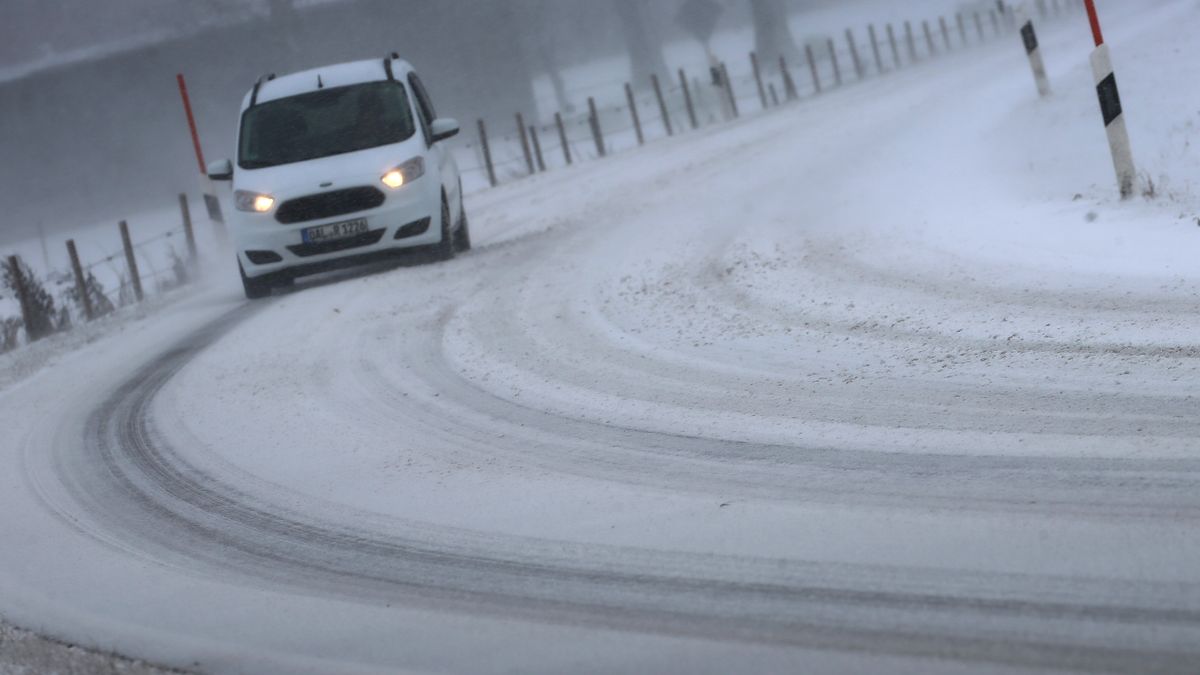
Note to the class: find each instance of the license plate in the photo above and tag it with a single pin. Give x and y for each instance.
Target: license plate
(336, 231)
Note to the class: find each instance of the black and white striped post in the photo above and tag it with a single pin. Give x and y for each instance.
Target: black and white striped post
(1034, 51)
(1110, 107)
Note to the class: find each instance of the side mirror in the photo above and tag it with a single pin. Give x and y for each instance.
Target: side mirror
(443, 128)
(222, 170)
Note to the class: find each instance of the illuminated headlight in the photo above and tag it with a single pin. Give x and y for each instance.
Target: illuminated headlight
(253, 201)
(404, 174)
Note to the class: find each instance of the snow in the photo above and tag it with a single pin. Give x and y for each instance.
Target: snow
(902, 338)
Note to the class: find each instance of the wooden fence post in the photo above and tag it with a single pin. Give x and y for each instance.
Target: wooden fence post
(774, 95)
(189, 234)
(633, 113)
(687, 99)
(895, 48)
(487, 154)
(729, 89)
(524, 135)
(858, 64)
(597, 133)
(789, 85)
(758, 81)
(945, 32)
(131, 261)
(537, 148)
(875, 49)
(80, 281)
(812, 66)
(995, 22)
(910, 41)
(979, 27)
(962, 28)
(562, 137)
(662, 105)
(837, 71)
(929, 39)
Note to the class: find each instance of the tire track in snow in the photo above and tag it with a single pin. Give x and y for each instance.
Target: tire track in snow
(151, 496)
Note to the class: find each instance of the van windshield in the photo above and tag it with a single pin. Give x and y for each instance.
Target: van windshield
(323, 123)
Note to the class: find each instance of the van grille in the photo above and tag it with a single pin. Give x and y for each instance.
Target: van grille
(329, 205)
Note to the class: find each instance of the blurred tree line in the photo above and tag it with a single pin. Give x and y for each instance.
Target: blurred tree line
(479, 57)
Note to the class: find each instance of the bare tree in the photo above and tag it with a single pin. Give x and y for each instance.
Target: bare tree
(645, 52)
(772, 36)
(284, 24)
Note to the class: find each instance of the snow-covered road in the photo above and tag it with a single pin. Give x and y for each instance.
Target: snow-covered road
(859, 385)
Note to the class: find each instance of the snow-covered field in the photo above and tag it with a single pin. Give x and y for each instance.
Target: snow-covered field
(885, 382)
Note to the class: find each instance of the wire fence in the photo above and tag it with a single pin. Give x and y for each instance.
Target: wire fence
(98, 282)
(691, 100)
(618, 118)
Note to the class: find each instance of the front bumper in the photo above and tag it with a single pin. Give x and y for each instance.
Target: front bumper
(264, 246)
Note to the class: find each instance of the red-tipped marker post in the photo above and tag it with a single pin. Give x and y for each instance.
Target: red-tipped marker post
(211, 203)
(1110, 107)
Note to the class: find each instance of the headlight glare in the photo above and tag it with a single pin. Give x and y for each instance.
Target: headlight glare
(254, 202)
(404, 174)
(393, 179)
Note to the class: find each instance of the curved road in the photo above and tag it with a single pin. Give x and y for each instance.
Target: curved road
(693, 429)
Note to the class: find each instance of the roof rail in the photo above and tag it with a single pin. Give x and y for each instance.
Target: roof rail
(387, 65)
(258, 85)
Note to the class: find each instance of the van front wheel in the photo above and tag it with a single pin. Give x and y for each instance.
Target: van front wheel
(445, 248)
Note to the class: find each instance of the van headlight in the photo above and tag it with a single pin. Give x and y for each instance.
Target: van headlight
(254, 202)
(404, 174)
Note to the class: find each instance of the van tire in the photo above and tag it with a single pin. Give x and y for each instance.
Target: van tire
(445, 249)
(462, 236)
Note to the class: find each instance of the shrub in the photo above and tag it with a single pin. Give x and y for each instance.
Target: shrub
(37, 306)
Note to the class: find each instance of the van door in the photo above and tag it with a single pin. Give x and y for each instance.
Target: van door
(439, 152)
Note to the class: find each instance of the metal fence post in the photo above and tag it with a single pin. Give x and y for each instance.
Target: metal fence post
(875, 49)
(858, 64)
(895, 48)
(131, 261)
(562, 137)
(687, 99)
(662, 105)
(789, 84)
(80, 281)
(597, 133)
(524, 135)
(190, 235)
(633, 113)
(537, 148)
(812, 66)
(758, 81)
(487, 154)
(837, 71)
(729, 89)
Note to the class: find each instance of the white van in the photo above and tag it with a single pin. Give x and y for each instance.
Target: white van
(338, 166)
